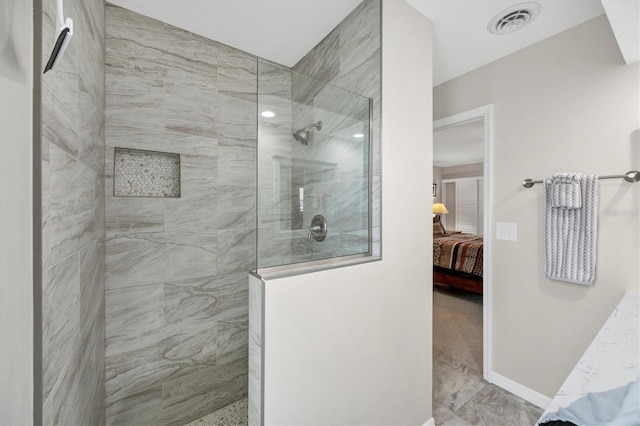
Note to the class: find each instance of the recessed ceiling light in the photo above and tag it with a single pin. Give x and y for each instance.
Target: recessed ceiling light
(358, 135)
(268, 114)
(514, 18)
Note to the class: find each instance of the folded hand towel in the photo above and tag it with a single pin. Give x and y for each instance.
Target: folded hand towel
(565, 191)
(570, 232)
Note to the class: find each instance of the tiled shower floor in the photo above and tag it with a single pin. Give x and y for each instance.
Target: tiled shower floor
(231, 415)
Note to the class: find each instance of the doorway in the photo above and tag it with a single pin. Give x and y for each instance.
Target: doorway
(481, 117)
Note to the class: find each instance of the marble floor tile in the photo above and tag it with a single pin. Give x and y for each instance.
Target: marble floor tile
(494, 406)
(460, 395)
(446, 417)
(453, 387)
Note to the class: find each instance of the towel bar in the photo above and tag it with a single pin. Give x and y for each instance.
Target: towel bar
(632, 176)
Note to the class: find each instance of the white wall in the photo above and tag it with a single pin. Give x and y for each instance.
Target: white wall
(16, 278)
(568, 103)
(353, 345)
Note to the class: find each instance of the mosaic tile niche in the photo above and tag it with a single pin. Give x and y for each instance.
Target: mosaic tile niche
(139, 173)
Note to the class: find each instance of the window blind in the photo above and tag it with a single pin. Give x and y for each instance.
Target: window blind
(468, 206)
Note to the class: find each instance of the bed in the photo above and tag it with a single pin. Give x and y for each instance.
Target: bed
(457, 259)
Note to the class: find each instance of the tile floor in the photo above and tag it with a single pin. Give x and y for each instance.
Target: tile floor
(460, 395)
(231, 415)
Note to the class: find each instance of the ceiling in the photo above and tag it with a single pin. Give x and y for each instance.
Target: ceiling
(459, 145)
(461, 40)
(285, 30)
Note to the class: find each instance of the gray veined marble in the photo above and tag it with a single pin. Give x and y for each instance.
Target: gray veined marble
(256, 345)
(176, 295)
(179, 265)
(126, 215)
(237, 74)
(135, 318)
(72, 208)
(146, 258)
(204, 391)
(60, 332)
(129, 92)
(73, 220)
(188, 110)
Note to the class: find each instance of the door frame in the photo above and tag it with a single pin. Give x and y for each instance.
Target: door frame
(484, 113)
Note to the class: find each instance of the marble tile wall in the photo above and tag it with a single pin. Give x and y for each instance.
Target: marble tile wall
(256, 344)
(349, 58)
(73, 218)
(177, 268)
(332, 169)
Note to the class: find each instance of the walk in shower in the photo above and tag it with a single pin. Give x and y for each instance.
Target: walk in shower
(313, 161)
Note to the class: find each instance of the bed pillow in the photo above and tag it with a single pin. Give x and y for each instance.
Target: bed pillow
(438, 229)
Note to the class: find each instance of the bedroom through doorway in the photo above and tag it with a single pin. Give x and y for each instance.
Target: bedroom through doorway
(462, 287)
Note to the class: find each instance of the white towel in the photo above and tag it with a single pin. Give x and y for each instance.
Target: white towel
(570, 231)
(566, 191)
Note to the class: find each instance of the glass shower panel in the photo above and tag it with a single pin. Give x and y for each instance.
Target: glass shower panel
(313, 169)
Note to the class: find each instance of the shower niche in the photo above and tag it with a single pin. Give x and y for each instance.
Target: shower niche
(314, 160)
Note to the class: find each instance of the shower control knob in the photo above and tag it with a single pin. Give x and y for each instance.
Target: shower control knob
(318, 228)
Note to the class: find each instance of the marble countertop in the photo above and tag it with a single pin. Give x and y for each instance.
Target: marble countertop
(610, 361)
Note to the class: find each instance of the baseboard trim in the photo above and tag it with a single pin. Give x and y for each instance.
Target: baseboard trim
(536, 398)
(430, 422)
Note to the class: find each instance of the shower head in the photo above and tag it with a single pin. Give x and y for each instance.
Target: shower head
(302, 135)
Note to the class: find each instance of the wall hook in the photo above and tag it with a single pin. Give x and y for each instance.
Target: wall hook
(65, 33)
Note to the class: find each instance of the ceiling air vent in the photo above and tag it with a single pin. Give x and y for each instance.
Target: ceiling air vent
(514, 18)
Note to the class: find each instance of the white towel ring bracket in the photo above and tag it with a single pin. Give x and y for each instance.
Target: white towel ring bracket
(632, 176)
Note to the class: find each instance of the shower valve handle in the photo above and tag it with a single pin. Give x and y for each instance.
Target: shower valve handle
(313, 230)
(318, 228)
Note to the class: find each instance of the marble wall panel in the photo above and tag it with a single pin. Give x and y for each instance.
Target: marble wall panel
(176, 299)
(91, 283)
(73, 219)
(146, 258)
(72, 203)
(135, 318)
(128, 91)
(256, 344)
(354, 48)
(237, 72)
(143, 408)
(203, 391)
(234, 126)
(322, 64)
(60, 293)
(188, 109)
(91, 398)
(125, 215)
(60, 103)
(134, 385)
(172, 43)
